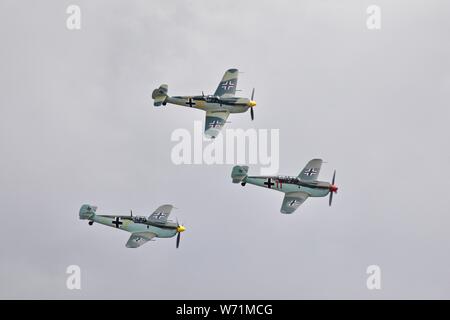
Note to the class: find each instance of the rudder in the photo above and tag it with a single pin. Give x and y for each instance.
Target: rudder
(160, 95)
(239, 173)
(87, 211)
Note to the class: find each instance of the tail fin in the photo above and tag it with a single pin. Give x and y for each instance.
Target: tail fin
(160, 95)
(87, 211)
(239, 173)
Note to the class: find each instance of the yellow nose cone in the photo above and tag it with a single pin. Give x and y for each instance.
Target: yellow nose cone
(181, 229)
(251, 103)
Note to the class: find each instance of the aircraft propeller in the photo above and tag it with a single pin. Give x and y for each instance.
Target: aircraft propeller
(252, 103)
(333, 188)
(180, 229)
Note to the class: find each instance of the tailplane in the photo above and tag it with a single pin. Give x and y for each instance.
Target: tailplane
(87, 212)
(160, 95)
(239, 174)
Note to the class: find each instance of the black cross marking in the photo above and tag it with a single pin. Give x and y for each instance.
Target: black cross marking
(190, 103)
(215, 123)
(159, 215)
(117, 222)
(269, 183)
(311, 172)
(227, 85)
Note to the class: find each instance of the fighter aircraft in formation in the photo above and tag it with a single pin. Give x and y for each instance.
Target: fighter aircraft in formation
(296, 189)
(217, 106)
(142, 229)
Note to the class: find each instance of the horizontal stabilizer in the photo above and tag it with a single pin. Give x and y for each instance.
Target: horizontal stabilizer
(87, 211)
(160, 95)
(239, 173)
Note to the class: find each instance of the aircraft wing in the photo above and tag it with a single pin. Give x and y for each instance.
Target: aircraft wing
(311, 171)
(292, 201)
(227, 87)
(214, 122)
(137, 239)
(161, 214)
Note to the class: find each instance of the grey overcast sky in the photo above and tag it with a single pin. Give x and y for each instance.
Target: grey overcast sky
(77, 125)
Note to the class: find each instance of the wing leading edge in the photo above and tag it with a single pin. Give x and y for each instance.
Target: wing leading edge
(137, 239)
(311, 171)
(227, 87)
(292, 201)
(214, 122)
(161, 214)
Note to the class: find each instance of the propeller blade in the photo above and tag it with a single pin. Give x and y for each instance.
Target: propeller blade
(178, 239)
(253, 93)
(333, 188)
(252, 115)
(131, 211)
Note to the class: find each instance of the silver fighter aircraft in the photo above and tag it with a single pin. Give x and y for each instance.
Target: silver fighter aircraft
(296, 189)
(142, 229)
(217, 106)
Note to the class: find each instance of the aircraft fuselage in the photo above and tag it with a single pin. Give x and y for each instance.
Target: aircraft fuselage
(290, 184)
(129, 224)
(210, 103)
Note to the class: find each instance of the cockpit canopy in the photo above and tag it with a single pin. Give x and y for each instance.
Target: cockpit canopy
(211, 98)
(140, 219)
(287, 179)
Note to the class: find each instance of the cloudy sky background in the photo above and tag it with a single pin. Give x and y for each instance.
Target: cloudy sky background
(77, 126)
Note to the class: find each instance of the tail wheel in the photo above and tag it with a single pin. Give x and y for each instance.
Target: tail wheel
(243, 184)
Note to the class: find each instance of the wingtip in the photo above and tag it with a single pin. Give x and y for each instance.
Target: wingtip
(212, 134)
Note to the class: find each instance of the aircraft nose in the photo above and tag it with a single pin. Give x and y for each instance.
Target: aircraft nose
(333, 188)
(251, 103)
(181, 229)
